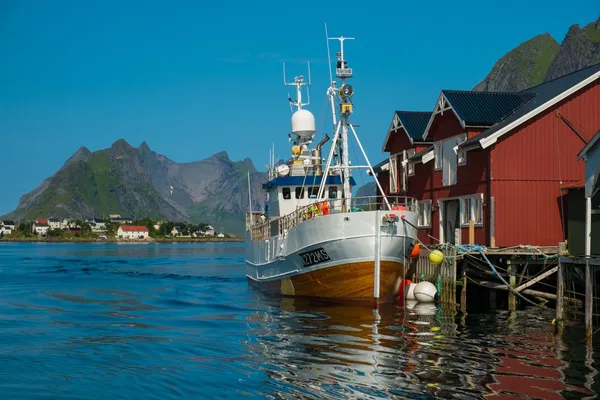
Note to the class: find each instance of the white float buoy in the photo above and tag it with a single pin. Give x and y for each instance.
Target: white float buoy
(425, 292)
(410, 291)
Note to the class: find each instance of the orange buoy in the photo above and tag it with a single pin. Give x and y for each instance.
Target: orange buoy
(415, 251)
(399, 208)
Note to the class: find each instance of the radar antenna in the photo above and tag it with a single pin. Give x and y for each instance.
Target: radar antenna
(344, 93)
(298, 83)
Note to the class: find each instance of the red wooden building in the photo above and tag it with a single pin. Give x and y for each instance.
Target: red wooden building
(498, 159)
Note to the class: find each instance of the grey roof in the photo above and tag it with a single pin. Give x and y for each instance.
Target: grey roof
(377, 167)
(484, 108)
(541, 94)
(414, 122)
(417, 157)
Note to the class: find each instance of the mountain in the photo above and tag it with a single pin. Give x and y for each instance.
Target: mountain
(541, 59)
(138, 182)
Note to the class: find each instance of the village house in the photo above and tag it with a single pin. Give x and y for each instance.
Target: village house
(116, 218)
(209, 231)
(8, 224)
(54, 223)
(97, 225)
(496, 159)
(39, 227)
(132, 232)
(6, 227)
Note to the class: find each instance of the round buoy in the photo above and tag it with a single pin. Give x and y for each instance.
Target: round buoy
(410, 291)
(436, 257)
(425, 292)
(415, 251)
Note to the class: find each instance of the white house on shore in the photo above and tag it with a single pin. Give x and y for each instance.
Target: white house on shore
(40, 228)
(54, 223)
(209, 231)
(132, 232)
(6, 227)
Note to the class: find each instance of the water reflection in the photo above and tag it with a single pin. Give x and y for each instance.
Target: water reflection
(414, 352)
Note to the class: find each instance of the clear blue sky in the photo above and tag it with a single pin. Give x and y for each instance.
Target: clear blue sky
(195, 78)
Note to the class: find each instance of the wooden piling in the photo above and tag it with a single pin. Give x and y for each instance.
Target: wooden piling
(512, 280)
(560, 304)
(463, 294)
(471, 232)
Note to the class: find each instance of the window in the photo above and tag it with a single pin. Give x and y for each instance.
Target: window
(333, 192)
(424, 219)
(437, 155)
(471, 208)
(447, 159)
(313, 191)
(462, 155)
(410, 166)
(286, 193)
(299, 192)
(394, 174)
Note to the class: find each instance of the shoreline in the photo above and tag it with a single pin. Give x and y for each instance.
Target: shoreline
(119, 241)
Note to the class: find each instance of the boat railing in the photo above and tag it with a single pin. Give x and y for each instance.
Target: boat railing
(280, 225)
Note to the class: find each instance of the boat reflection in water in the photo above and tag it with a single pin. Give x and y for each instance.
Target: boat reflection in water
(417, 351)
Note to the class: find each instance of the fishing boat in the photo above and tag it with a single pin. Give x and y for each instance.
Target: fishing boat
(314, 238)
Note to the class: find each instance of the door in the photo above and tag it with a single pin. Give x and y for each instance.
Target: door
(451, 220)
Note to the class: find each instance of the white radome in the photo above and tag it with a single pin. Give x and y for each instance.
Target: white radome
(425, 292)
(283, 170)
(303, 123)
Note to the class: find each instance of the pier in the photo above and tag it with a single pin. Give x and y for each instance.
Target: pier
(545, 277)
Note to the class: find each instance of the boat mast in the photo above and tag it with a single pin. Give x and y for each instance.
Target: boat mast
(345, 93)
(298, 83)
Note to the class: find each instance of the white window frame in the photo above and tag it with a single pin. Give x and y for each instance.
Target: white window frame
(462, 155)
(464, 219)
(393, 172)
(410, 167)
(424, 221)
(437, 155)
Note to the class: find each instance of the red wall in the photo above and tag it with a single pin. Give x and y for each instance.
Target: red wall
(525, 170)
(398, 141)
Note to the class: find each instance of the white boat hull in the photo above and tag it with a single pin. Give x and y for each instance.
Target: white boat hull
(347, 256)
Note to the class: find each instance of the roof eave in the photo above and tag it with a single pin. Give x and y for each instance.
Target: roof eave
(442, 104)
(493, 138)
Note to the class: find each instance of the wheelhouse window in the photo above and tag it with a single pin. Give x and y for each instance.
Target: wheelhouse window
(424, 218)
(333, 192)
(299, 192)
(313, 191)
(286, 193)
(471, 208)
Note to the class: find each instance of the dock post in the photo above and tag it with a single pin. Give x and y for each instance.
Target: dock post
(512, 280)
(560, 302)
(588, 300)
(463, 293)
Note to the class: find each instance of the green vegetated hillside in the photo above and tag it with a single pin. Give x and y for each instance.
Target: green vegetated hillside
(138, 182)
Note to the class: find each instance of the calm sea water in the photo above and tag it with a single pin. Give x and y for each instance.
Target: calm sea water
(102, 321)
